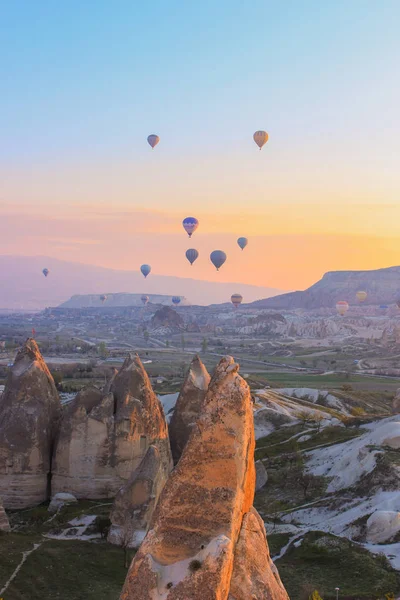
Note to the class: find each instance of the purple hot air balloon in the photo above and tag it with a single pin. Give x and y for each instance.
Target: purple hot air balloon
(176, 300)
(218, 257)
(190, 224)
(45, 272)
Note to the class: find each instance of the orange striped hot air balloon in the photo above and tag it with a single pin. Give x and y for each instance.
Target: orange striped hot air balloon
(260, 138)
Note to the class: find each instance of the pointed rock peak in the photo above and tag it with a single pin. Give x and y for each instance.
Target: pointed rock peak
(132, 362)
(198, 374)
(225, 374)
(29, 349)
(28, 356)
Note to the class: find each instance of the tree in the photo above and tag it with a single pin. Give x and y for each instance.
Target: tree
(146, 335)
(204, 345)
(167, 344)
(103, 350)
(304, 417)
(183, 342)
(315, 596)
(316, 419)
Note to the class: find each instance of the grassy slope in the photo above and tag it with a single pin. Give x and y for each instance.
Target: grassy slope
(60, 569)
(67, 569)
(323, 562)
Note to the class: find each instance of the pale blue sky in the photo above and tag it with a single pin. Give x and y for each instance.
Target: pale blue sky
(93, 78)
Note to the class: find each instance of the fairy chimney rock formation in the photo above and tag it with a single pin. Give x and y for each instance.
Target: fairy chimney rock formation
(4, 523)
(104, 437)
(196, 544)
(188, 406)
(135, 502)
(30, 411)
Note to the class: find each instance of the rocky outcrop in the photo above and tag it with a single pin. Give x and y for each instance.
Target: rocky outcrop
(135, 502)
(188, 406)
(30, 410)
(4, 523)
(104, 437)
(166, 317)
(196, 547)
(254, 574)
(60, 500)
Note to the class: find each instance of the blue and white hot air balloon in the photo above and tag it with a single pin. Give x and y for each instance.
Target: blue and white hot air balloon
(176, 300)
(190, 224)
(218, 257)
(145, 269)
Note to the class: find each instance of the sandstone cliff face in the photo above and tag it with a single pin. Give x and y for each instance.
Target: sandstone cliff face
(192, 548)
(29, 417)
(104, 437)
(188, 406)
(4, 523)
(254, 574)
(135, 502)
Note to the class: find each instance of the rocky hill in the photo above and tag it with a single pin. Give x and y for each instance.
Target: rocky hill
(166, 320)
(382, 286)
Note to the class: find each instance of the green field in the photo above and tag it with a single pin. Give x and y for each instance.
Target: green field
(332, 381)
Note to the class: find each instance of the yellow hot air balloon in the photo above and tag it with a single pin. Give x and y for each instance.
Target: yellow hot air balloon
(260, 138)
(361, 296)
(342, 307)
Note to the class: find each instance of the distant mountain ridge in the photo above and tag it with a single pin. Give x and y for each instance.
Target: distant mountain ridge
(24, 287)
(382, 286)
(119, 299)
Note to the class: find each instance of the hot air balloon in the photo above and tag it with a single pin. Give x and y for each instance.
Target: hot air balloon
(236, 300)
(176, 300)
(361, 296)
(145, 299)
(153, 140)
(45, 272)
(145, 269)
(190, 224)
(103, 298)
(342, 307)
(218, 258)
(260, 138)
(192, 255)
(242, 242)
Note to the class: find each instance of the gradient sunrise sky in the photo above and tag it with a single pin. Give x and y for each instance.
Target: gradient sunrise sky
(84, 83)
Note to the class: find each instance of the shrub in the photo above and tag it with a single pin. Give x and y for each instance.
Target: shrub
(195, 565)
(357, 411)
